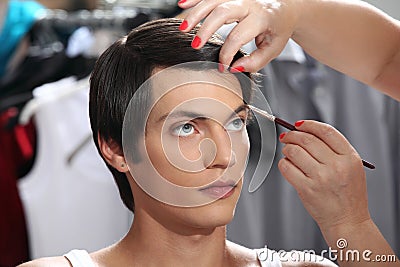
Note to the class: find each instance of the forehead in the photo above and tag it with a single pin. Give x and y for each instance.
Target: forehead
(194, 90)
(204, 91)
(181, 84)
(165, 80)
(210, 100)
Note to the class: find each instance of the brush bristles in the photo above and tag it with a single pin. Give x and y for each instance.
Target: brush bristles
(263, 113)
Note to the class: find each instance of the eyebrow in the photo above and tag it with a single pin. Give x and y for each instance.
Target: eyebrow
(192, 115)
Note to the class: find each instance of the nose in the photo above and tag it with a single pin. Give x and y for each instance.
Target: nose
(222, 155)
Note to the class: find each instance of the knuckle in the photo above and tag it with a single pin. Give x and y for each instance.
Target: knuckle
(235, 37)
(206, 3)
(285, 150)
(306, 140)
(328, 130)
(293, 150)
(341, 168)
(253, 63)
(222, 10)
(283, 165)
(308, 171)
(337, 166)
(315, 186)
(320, 174)
(225, 58)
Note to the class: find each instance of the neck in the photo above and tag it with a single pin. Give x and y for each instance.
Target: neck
(149, 243)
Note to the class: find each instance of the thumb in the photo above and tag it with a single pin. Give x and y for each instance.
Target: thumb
(260, 57)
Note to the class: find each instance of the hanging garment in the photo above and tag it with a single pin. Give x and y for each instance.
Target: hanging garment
(16, 154)
(297, 89)
(18, 20)
(392, 122)
(75, 204)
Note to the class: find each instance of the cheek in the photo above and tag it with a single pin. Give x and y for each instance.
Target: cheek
(154, 148)
(182, 152)
(241, 144)
(172, 156)
(241, 148)
(189, 147)
(246, 141)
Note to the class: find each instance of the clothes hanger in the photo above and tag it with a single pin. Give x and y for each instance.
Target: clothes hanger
(32, 106)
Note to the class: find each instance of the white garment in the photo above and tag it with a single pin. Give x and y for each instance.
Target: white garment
(69, 205)
(81, 258)
(268, 257)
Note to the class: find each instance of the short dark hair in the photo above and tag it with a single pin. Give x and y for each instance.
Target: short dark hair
(128, 63)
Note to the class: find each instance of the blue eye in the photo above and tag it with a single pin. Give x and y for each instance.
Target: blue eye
(235, 125)
(184, 130)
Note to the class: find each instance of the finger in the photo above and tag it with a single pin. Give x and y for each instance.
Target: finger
(328, 134)
(223, 14)
(300, 158)
(312, 144)
(199, 12)
(188, 3)
(293, 175)
(241, 34)
(260, 57)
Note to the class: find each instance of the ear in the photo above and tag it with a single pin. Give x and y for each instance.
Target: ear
(112, 153)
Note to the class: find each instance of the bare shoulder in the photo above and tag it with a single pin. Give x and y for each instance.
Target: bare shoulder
(302, 259)
(242, 256)
(47, 262)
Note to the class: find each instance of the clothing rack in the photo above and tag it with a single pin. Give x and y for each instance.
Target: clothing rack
(48, 39)
(159, 5)
(118, 18)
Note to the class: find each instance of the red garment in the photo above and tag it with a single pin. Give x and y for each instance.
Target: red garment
(16, 153)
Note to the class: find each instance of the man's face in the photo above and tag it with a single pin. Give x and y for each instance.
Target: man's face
(195, 138)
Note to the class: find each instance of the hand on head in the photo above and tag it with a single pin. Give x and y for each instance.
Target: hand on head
(270, 23)
(324, 29)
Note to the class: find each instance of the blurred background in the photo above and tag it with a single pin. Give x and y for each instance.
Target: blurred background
(389, 6)
(56, 194)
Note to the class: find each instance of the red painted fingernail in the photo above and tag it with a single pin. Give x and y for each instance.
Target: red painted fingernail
(237, 69)
(282, 135)
(221, 67)
(196, 42)
(298, 123)
(181, 2)
(183, 25)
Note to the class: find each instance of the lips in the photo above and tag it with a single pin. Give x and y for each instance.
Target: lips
(219, 190)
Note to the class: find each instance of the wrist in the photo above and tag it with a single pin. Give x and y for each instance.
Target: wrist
(334, 232)
(302, 12)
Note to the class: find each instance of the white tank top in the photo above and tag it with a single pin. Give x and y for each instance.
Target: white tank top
(69, 205)
(81, 258)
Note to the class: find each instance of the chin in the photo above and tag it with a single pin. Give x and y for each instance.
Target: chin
(194, 220)
(215, 214)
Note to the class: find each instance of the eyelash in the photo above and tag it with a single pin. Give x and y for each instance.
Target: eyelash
(178, 129)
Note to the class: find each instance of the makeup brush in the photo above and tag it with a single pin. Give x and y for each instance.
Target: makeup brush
(291, 127)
